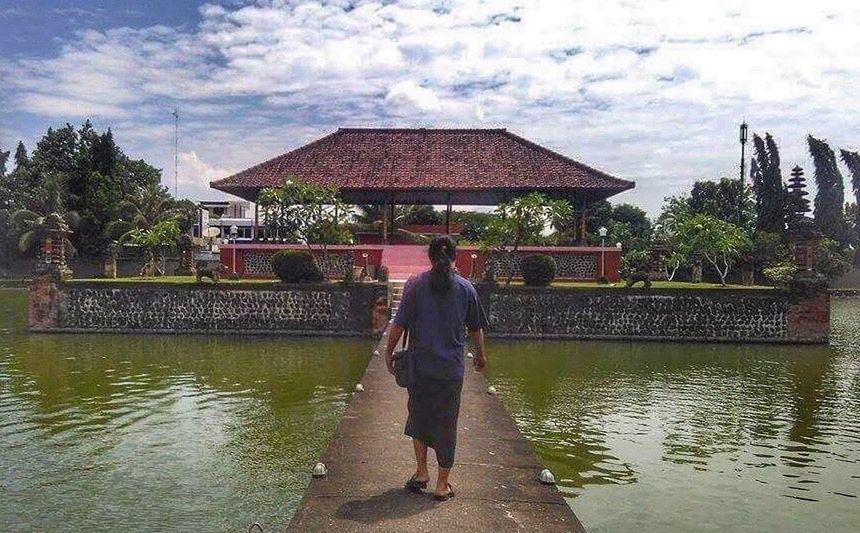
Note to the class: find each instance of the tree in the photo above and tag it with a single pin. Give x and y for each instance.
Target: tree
(404, 215)
(5, 189)
(473, 223)
(22, 160)
(717, 241)
(142, 210)
(98, 177)
(628, 225)
(519, 220)
(4, 157)
(832, 259)
(767, 186)
(728, 200)
(667, 233)
(852, 161)
(625, 223)
(134, 174)
(21, 189)
(31, 225)
(830, 197)
(155, 240)
(313, 214)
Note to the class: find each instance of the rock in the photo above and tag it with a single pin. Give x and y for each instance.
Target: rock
(546, 477)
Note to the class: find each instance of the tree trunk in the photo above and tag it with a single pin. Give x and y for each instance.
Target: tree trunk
(696, 273)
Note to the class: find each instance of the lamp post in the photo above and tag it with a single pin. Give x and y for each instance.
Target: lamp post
(472, 266)
(743, 138)
(233, 231)
(366, 269)
(602, 231)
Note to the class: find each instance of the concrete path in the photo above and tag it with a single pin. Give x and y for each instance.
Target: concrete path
(369, 459)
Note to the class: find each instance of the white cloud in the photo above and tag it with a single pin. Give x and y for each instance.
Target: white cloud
(408, 97)
(195, 175)
(649, 91)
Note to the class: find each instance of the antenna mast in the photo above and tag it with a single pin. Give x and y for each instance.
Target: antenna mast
(175, 152)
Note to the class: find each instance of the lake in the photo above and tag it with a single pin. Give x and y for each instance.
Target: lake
(159, 432)
(693, 437)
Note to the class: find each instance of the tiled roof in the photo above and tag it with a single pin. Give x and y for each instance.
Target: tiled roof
(426, 159)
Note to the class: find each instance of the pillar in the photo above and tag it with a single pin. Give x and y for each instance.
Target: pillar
(448, 216)
(385, 228)
(256, 221)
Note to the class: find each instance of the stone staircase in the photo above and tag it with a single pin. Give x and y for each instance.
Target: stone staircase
(404, 260)
(396, 296)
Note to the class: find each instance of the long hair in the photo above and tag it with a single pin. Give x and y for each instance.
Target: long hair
(442, 252)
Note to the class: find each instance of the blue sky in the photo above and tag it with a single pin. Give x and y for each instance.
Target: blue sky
(651, 91)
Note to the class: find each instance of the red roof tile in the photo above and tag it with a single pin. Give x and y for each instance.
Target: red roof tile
(450, 160)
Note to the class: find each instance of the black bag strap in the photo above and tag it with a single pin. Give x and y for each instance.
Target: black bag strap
(410, 333)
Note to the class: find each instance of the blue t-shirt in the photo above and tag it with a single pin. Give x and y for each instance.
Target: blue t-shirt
(438, 322)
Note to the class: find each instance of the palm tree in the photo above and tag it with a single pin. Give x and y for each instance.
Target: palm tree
(143, 209)
(153, 240)
(52, 217)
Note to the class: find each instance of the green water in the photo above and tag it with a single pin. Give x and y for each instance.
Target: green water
(195, 433)
(691, 437)
(162, 433)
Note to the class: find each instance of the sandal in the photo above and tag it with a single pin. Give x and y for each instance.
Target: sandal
(414, 485)
(445, 497)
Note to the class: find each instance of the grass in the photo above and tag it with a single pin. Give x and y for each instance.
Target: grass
(191, 280)
(654, 285)
(179, 280)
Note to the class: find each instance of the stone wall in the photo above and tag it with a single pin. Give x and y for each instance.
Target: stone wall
(567, 266)
(259, 263)
(669, 314)
(317, 309)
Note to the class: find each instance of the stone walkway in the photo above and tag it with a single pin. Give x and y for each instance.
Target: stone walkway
(369, 459)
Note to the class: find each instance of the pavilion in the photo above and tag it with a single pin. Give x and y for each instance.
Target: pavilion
(430, 166)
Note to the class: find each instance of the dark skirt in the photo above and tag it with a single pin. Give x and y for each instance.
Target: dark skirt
(434, 406)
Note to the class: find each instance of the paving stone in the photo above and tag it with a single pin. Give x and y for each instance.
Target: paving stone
(368, 460)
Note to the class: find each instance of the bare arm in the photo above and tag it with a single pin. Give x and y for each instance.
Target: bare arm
(394, 334)
(480, 360)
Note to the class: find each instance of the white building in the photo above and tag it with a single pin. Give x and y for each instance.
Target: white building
(225, 215)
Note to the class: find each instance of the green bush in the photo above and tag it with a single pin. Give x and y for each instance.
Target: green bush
(296, 266)
(781, 275)
(538, 270)
(635, 261)
(807, 283)
(832, 259)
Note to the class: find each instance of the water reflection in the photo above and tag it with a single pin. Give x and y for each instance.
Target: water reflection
(695, 437)
(150, 433)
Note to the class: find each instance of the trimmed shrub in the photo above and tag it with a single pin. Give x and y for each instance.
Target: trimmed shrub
(296, 266)
(538, 270)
